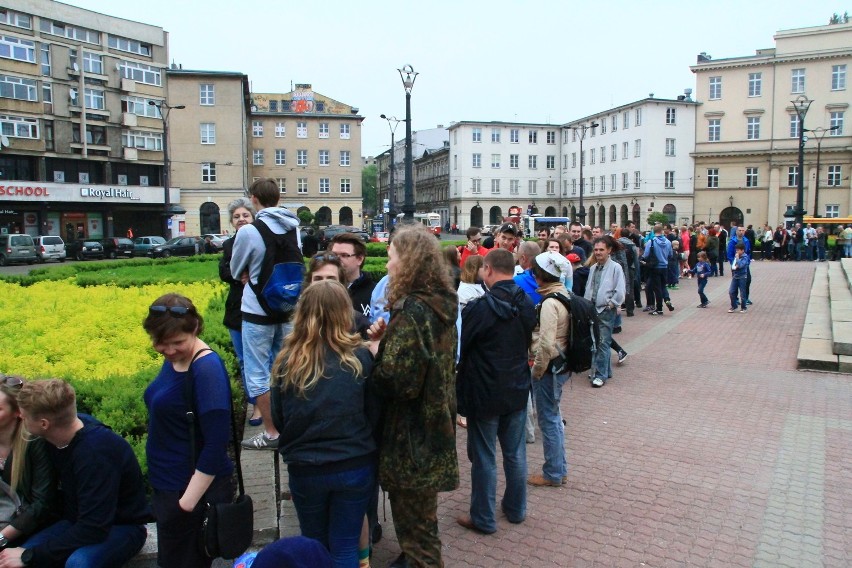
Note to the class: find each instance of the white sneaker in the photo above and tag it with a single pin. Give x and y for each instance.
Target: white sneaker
(260, 442)
(597, 382)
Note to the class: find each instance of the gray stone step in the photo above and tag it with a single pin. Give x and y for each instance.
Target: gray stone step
(840, 297)
(816, 346)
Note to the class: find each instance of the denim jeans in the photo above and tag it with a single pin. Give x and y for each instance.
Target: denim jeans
(603, 361)
(331, 509)
(847, 250)
(237, 342)
(738, 287)
(482, 436)
(548, 393)
(702, 283)
(121, 544)
(261, 344)
(820, 251)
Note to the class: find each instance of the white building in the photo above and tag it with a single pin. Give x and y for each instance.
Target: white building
(635, 159)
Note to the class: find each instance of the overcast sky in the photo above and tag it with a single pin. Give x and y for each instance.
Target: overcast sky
(531, 61)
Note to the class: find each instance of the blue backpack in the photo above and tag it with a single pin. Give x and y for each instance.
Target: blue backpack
(281, 275)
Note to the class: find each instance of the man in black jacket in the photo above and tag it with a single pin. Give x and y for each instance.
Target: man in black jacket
(353, 252)
(492, 386)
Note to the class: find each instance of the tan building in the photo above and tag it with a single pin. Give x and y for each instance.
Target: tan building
(432, 182)
(208, 145)
(747, 137)
(311, 144)
(82, 147)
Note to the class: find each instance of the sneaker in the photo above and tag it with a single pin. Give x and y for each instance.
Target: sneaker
(597, 382)
(616, 329)
(702, 305)
(748, 302)
(732, 310)
(669, 305)
(622, 356)
(655, 313)
(260, 442)
(648, 309)
(744, 310)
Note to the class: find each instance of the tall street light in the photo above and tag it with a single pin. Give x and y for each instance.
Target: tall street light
(583, 128)
(801, 105)
(168, 209)
(408, 76)
(820, 132)
(393, 122)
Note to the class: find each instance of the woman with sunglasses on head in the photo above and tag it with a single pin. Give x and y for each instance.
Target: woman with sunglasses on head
(28, 492)
(183, 482)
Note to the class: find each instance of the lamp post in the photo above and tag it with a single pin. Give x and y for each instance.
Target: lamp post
(393, 122)
(583, 128)
(801, 105)
(164, 108)
(408, 75)
(820, 132)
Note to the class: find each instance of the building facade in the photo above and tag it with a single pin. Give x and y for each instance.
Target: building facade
(311, 144)
(208, 146)
(747, 128)
(630, 160)
(82, 147)
(432, 182)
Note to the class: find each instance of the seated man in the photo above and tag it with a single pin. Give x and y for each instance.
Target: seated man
(104, 504)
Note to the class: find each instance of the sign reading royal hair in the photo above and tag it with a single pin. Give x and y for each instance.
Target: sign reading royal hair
(75, 193)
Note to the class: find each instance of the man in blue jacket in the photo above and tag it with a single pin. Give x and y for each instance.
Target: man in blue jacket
(492, 387)
(658, 249)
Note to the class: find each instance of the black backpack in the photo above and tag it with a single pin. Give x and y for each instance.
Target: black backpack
(281, 274)
(583, 334)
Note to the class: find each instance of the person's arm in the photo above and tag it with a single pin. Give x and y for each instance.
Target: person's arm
(546, 347)
(402, 360)
(617, 293)
(225, 274)
(241, 253)
(41, 502)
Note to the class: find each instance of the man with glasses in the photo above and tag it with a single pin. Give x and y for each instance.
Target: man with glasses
(474, 245)
(353, 252)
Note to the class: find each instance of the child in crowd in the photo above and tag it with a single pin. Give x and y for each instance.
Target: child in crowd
(673, 273)
(702, 270)
(739, 273)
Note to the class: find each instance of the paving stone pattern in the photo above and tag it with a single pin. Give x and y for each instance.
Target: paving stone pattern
(707, 448)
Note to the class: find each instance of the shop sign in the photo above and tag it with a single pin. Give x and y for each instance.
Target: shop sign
(75, 193)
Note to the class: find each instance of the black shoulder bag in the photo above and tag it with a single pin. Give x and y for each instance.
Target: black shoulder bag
(227, 528)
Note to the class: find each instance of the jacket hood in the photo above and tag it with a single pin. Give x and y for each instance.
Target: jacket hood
(444, 303)
(278, 219)
(504, 299)
(661, 238)
(553, 288)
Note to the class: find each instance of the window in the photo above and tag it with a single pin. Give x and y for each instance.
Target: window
(94, 99)
(16, 19)
(476, 186)
(323, 130)
(129, 45)
(751, 177)
(18, 88)
(476, 135)
(324, 185)
(206, 94)
(637, 180)
(670, 146)
(794, 126)
(838, 77)
(671, 115)
(715, 88)
(591, 184)
(273, 105)
(280, 157)
(257, 157)
(625, 150)
(208, 133)
(18, 127)
(324, 158)
(47, 92)
(302, 185)
(455, 161)
(320, 106)
(139, 106)
(532, 186)
(495, 187)
(551, 162)
(92, 62)
(533, 162)
(476, 160)
(514, 187)
(280, 130)
(301, 157)
(345, 158)
(637, 148)
(344, 131)
(755, 81)
(573, 159)
(345, 185)
(45, 60)
(797, 81)
(625, 123)
(573, 187)
(551, 187)
(551, 137)
(282, 185)
(638, 117)
(603, 126)
(141, 73)
(792, 176)
(301, 130)
(613, 180)
(495, 135)
(669, 180)
(495, 160)
(712, 178)
(753, 128)
(514, 135)
(614, 122)
(18, 49)
(533, 137)
(142, 140)
(592, 156)
(714, 129)
(625, 182)
(603, 184)
(71, 32)
(834, 176)
(832, 211)
(257, 128)
(208, 172)
(836, 122)
(613, 152)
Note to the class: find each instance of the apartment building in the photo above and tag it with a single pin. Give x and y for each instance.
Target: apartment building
(82, 143)
(311, 144)
(498, 165)
(432, 182)
(631, 160)
(208, 145)
(747, 128)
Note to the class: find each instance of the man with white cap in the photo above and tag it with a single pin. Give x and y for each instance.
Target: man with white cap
(550, 269)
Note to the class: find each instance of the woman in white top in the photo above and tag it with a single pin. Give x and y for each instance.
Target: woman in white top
(469, 288)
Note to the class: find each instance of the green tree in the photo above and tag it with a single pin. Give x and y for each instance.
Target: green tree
(305, 216)
(369, 199)
(656, 217)
(838, 19)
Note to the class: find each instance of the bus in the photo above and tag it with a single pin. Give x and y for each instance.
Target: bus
(534, 223)
(430, 220)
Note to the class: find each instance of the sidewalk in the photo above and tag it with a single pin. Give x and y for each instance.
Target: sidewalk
(707, 448)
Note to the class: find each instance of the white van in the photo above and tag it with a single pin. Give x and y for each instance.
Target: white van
(49, 248)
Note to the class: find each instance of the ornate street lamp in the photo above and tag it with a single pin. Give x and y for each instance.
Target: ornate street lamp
(820, 132)
(168, 209)
(408, 76)
(583, 127)
(801, 106)
(393, 122)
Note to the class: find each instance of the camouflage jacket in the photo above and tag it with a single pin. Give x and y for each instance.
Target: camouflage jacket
(414, 374)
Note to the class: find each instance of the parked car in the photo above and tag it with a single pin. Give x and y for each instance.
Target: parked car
(380, 237)
(487, 231)
(178, 246)
(329, 232)
(49, 248)
(118, 247)
(217, 240)
(85, 249)
(17, 248)
(141, 245)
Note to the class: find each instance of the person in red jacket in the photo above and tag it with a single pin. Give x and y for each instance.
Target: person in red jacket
(474, 244)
